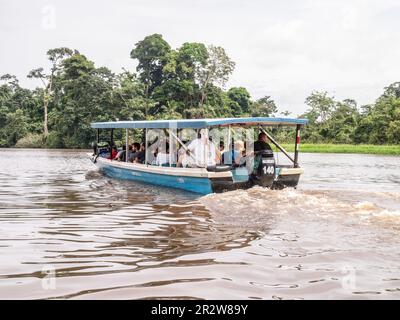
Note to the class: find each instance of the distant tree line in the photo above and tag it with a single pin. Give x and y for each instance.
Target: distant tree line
(187, 82)
(344, 122)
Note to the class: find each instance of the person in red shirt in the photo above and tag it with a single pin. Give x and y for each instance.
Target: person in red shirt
(114, 152)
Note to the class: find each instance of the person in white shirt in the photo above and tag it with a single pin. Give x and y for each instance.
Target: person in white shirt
(185, 159)
(161, 155)
(203, 150)
(162, 158)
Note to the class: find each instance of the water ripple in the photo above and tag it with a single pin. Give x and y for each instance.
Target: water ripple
(62, 220)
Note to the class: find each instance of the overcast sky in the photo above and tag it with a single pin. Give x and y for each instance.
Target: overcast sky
(286, 49)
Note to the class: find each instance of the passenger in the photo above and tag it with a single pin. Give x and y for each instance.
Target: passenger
(262, 143)
(141, 155)
(184, 158)
(130, 151)
(161, 156)
(220, 153)
(204, 150)
(121, 154)
(114, 153)
(234, 156)
(181, 155)
(135, 150)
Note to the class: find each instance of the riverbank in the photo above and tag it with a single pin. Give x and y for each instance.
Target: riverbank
(313, 148)
(346, 148)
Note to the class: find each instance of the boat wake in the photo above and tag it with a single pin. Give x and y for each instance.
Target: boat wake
(258, 206)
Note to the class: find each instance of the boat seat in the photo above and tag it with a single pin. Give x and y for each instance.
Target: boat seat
(219, 168)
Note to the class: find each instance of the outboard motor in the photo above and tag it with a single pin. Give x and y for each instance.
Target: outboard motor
(264, 168)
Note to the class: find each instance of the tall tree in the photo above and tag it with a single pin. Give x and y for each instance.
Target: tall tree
(129, 96)
(151, 52)
(320, 106)
(264, 107)
(380, 122)
(215, 71)
(240, 100)
(55, 57)
(86, 95)
(341, 125)
(179, 89)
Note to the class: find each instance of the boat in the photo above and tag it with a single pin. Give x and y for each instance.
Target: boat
(261, 167)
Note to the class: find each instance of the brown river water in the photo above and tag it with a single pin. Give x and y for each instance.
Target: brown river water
(67, 231)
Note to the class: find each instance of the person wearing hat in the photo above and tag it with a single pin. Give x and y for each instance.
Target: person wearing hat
(234, 156)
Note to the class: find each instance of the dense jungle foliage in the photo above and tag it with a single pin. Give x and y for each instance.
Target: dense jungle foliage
(187, 82)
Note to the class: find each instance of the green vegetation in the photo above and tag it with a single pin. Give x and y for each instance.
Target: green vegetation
(346, 148)
(185, 82)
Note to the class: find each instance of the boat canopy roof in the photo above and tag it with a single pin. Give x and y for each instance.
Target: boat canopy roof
(199, 123)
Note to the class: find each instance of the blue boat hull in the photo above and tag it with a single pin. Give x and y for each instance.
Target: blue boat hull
(201, 182)
(193, 184)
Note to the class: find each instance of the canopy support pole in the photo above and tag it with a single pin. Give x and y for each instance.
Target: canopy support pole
(229, 146)
(171, 150)
(182, 144)
(98, 135)
(111, 142)
(126, 144)
(145, 146)
(296, 147)
(277, 145)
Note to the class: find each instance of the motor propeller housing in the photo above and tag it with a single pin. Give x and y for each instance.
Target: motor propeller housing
(265, 170)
